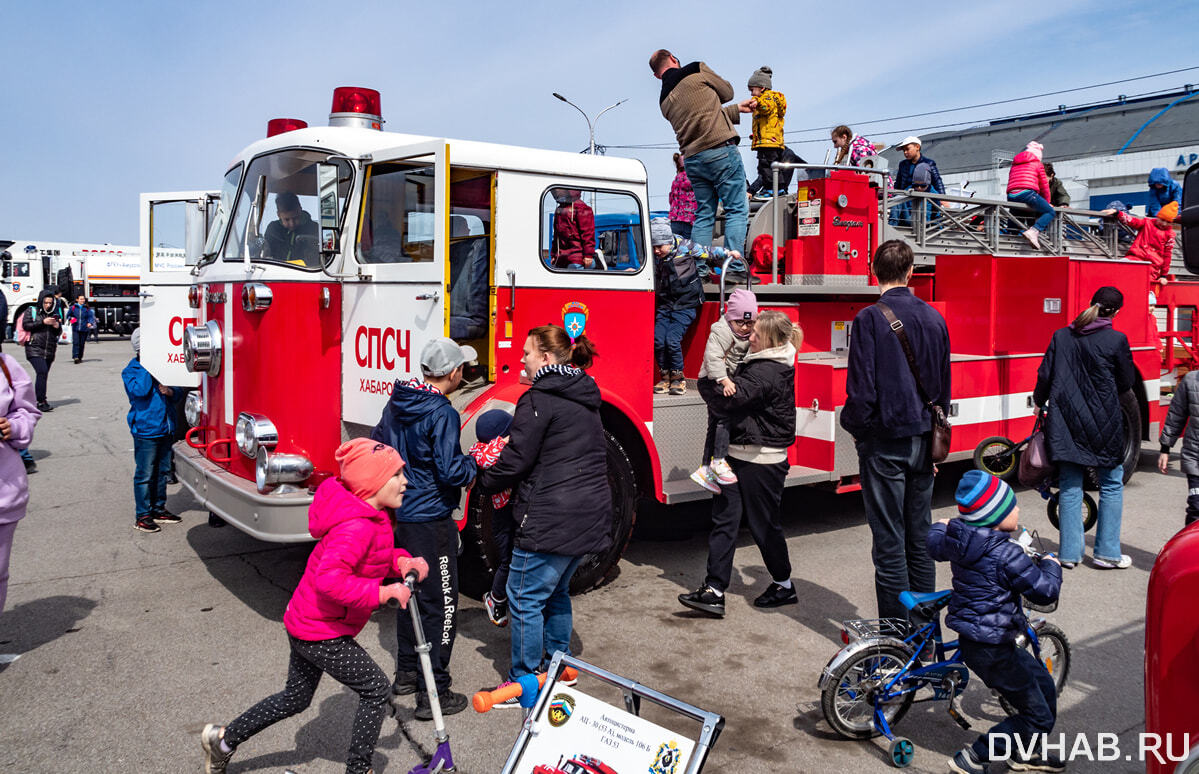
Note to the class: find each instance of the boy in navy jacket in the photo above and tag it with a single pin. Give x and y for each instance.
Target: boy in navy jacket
(152, 422)
(991, 572)
(424, 427)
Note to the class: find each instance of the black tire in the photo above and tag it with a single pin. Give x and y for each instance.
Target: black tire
(1090, 512)
(996, 455)
(1055, 655)
(597, 569)
(854, 719)
(480, 558)
(1131, 410)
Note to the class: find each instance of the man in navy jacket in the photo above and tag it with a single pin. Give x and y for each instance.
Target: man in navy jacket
(424, 427)
(892, 426)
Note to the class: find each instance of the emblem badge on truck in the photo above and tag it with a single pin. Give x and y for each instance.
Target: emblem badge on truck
(574, 319)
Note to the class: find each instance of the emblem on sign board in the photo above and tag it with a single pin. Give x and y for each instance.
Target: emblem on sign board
(562, 707)
(667, 759)
(574, 319)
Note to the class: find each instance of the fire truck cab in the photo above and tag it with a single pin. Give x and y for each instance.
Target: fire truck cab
(336, 252)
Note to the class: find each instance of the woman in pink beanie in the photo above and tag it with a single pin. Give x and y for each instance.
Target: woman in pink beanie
(1028, 184)
(341, 586)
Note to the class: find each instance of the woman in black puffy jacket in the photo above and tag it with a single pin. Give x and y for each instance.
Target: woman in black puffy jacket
(556, 461)
(1086, 369)
(761, 415)
(44, 328)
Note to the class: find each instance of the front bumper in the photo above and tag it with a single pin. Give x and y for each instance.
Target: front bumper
(277, 518)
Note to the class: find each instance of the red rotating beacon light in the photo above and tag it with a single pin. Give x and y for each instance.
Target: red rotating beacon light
(356, 106)
(280, 125)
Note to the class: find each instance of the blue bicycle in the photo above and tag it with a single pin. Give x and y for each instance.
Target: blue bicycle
(871, 683)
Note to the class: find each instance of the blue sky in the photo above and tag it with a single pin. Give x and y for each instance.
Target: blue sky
(107, 100)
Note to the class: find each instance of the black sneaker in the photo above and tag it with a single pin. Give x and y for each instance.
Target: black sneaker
(1037, 763)
(965, 762)
(406, 683)
(451, 704)
(30, 467)
(165, 517)
(146, 525)
(497, 609)
(776, 595)
(44, 407)
(706, 600)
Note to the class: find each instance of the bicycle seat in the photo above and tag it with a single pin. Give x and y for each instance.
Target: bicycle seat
(925, 604)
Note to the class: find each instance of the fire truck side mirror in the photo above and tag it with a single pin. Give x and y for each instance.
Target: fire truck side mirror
(1188, 215)
(326, 182)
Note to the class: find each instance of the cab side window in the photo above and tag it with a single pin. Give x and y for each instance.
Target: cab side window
(591, 230)
(397, 214)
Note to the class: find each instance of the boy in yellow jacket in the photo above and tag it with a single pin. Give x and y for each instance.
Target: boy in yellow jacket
(767, 137)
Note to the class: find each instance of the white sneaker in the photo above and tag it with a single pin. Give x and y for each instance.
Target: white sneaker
(1032, 236)
(723, 473)
(1123, 563)
(703, 476)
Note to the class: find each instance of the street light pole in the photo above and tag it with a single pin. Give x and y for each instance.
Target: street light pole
(590, 124)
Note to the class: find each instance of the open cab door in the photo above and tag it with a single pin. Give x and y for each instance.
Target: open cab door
(394, 296)
(174, 227)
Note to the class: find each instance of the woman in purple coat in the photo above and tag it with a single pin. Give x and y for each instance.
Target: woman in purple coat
(18, 415)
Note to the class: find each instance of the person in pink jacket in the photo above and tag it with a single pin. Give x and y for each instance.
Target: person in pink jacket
(1028, 184)
(341, 586)
(18, 415)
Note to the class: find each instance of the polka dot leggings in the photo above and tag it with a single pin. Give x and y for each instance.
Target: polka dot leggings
(344, 660)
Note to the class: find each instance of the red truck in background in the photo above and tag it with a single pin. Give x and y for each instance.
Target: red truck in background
(1171, 623)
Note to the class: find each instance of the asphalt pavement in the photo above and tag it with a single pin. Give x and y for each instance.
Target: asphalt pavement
(129, 642)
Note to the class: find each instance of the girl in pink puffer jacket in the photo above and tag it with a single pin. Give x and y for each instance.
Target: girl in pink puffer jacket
(342, 585)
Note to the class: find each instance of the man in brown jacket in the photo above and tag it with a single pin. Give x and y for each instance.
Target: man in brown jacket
(692, 100)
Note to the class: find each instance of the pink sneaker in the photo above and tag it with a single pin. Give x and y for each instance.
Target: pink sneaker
(723, 473)
(704, 477)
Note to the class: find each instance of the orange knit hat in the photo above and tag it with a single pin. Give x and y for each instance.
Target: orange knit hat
(366, 465)
(1169, 212)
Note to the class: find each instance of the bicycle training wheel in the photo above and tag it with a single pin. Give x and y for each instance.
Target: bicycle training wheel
(848, 701)
(1090, 512)
(996, 455)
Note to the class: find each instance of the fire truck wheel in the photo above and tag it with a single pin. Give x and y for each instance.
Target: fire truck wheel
(479, 557)
(597, 569)
(1132, 433)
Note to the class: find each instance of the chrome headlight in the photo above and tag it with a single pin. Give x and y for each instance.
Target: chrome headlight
(255, 297)
(273, 469)
(193, 407)
(202, 348)
(253, 432)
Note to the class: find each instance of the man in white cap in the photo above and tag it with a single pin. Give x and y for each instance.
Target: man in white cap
(423, 426)
(911, 157)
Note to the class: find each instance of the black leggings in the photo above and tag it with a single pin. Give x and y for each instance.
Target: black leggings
(41, 366)
(344, 660)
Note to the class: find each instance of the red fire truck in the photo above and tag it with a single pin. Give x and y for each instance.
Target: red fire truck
(294, 337)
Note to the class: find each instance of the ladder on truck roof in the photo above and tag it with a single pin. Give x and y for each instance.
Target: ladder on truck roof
(943, 224)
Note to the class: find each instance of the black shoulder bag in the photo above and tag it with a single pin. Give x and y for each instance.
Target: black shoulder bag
(942, 432)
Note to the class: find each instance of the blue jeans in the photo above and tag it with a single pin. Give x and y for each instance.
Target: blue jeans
(670, 326)
(1069, 511)
(1034, 200)
(153, 460)
(538, 607)
(718, 174)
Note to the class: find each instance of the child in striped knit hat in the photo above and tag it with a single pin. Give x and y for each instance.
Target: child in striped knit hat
(990, 574)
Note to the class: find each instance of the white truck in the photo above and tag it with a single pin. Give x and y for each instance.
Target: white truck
(108, 275)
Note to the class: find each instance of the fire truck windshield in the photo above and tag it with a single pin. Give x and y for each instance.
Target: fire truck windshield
(272, 217)
(216, 232)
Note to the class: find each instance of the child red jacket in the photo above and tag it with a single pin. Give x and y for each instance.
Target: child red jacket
(1154, 242)
(340, 586)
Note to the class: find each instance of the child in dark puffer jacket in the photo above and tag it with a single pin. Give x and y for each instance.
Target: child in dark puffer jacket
(991, 572)
(341, 586)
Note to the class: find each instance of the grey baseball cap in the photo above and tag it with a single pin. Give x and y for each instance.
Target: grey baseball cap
(441, 355)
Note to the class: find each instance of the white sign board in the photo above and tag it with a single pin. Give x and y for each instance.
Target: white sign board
(578, 734)
(807, 218)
